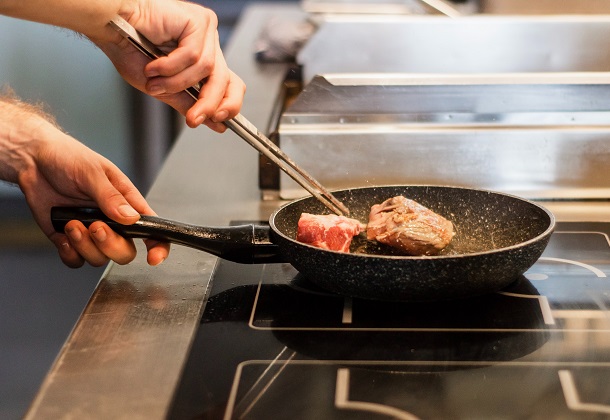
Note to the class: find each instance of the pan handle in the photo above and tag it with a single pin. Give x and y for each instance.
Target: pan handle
(246, 244)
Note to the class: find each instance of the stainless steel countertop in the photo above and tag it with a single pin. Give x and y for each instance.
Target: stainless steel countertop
(125, 356)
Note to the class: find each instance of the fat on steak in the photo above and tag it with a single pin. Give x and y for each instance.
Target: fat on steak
(328, 231)
(408, 226)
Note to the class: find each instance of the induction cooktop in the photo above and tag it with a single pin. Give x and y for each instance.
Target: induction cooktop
(271, 345)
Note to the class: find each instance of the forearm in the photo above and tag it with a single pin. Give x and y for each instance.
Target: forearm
(88, 17)
(20, 127)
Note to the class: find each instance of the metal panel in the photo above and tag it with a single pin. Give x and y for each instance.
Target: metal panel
(366, 6)
(537, 140)
(468, 45)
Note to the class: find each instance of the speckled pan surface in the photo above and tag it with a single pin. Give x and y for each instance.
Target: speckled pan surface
(498, 237)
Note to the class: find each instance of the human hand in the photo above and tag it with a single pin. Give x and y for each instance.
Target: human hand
(54, 169)
(188, 34)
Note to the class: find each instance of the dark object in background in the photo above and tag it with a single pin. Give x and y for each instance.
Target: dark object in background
(281, 40)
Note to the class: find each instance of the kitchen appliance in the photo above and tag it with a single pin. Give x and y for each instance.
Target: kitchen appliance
(537, 136)
(470, 102)
(273, 345)
(471, 45)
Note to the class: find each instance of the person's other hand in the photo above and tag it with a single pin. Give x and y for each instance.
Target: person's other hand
(54, 169)
(67, 173)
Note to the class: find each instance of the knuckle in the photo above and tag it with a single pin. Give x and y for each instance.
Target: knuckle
(124, 260)
(212, 18)
(191, 57)
(206, 67)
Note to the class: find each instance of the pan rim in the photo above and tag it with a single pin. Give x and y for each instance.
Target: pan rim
(550, 228)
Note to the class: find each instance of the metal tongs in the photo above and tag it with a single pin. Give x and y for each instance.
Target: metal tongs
(242, 127)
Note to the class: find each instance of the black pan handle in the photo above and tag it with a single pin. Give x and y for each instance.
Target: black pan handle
(246, 244)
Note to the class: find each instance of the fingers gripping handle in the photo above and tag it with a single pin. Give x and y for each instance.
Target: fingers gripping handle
(249, 244)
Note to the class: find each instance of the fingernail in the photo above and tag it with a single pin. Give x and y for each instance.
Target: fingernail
(74, 234)
(151, 73)
(200, 119)
(127, 211)
(221, 116)
(99, 235)
(159, 263)
(156, 90)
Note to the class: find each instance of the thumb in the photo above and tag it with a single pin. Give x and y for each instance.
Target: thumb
(114, 194)
(114, 204)
(119, 210)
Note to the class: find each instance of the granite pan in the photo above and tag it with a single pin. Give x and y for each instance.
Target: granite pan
(498, 237)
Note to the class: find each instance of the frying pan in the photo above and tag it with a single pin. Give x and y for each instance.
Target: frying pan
(498, 237)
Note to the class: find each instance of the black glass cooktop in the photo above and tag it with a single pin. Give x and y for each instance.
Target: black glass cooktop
(273, 346)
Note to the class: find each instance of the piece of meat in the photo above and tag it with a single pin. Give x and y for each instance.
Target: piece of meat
(408, 226)
(328, 231)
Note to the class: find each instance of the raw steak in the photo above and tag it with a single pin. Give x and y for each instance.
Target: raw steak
(407, 225)
(328, 231)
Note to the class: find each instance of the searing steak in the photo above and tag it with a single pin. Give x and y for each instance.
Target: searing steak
(328, 231)
(408, 226)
